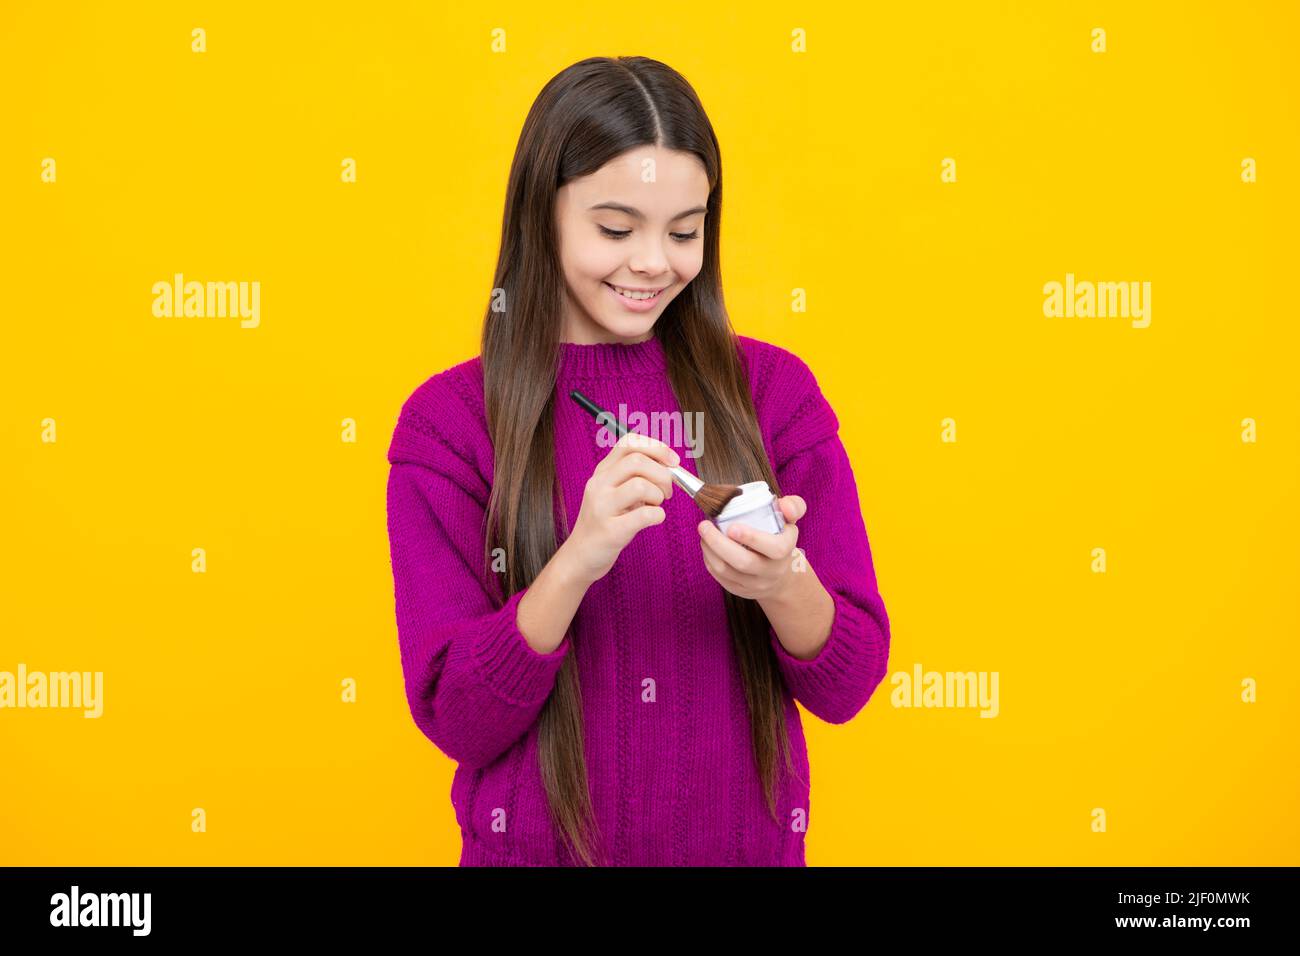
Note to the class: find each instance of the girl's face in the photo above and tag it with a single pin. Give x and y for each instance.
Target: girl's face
(637, 223)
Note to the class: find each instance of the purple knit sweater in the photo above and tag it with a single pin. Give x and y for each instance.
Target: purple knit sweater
(673, 779)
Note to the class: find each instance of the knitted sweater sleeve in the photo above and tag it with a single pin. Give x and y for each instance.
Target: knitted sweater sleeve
(473, 683)
(810, 461)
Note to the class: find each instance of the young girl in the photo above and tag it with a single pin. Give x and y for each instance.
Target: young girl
(620, 689)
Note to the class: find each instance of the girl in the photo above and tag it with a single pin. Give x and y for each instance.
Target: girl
(620, 689)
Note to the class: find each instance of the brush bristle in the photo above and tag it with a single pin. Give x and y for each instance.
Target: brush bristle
(713, 498)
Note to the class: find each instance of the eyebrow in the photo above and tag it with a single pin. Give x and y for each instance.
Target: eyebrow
(637, 214)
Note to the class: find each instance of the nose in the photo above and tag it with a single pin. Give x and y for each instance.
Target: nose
(649, 258)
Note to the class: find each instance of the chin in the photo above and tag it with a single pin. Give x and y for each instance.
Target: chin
(626, 331)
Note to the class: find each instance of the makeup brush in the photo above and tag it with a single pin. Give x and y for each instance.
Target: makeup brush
(711, 498)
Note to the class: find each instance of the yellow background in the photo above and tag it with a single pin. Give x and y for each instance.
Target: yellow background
(222, 690)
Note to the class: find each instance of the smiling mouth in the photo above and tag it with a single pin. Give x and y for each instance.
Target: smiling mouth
(636, 295)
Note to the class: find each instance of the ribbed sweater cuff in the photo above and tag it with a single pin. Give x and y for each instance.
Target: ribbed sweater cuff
(848, 659)
(508, 664)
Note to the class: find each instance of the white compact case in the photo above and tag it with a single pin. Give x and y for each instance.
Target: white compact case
(755, 506)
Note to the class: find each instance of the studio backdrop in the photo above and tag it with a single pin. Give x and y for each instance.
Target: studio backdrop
(1039, 257)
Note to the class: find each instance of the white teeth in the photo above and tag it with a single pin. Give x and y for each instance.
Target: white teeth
(628, 294)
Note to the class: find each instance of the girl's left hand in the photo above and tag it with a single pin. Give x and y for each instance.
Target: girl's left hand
(751, 563)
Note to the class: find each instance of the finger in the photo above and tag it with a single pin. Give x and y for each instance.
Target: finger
(793, 507)
(717, 567)
(638, 518)
(634, 442)
(764, 542)
(635, 463)
(721, 570)
(636, 491)
(725, 575)
(733, 552)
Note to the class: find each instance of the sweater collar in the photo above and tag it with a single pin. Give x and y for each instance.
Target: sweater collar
(611, 359)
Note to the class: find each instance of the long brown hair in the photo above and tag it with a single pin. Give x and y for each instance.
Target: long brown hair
(585, 116)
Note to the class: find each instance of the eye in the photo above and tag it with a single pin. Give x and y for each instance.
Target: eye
(679, 236)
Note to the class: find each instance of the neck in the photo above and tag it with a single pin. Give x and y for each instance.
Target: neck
(599, 335)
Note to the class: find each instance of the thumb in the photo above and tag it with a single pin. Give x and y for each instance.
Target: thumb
(793, 507)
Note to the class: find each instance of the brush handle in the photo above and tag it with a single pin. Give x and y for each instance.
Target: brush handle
(688, 482)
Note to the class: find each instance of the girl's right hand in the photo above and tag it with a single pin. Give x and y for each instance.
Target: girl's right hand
(622, 496)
